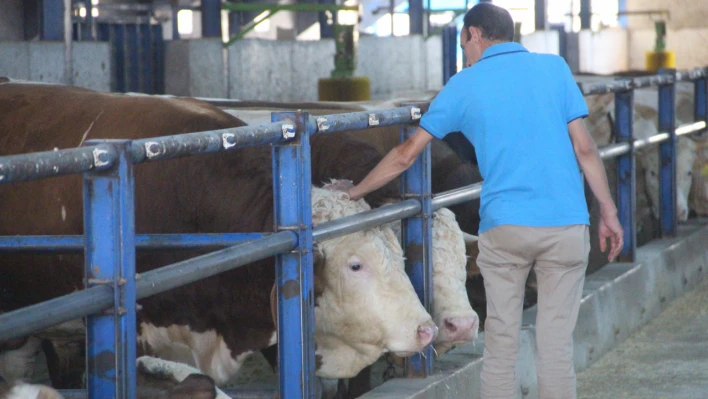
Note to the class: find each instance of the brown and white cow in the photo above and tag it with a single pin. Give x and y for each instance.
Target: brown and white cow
(223, 318)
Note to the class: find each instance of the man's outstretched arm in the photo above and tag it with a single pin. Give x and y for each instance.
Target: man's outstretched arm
(397, 161)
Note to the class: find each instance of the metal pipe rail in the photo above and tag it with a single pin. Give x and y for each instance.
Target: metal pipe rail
(111, 242)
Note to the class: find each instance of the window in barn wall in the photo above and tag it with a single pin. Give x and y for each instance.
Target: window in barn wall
(185, 22)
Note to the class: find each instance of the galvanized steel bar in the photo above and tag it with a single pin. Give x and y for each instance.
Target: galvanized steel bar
(110, 261)
(614, 150)
(168, 147)
(363, 120)
(38, 165)
(626, 174)
(75, 243)
(366, 220)
(417, 244)
(452, 197)
(667, 158)
(692, 74)
(294, 271)
(41, 316)
(612, 86)
(207, 265)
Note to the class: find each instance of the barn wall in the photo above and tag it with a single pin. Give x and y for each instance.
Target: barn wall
(11, 19)
(289, 70)
(541, 41)
(44, 62)
(195, 68)
(688, 45)
(682, 13)
(603, 52)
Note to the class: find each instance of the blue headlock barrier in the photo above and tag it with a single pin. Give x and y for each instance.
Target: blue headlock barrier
(109, 243)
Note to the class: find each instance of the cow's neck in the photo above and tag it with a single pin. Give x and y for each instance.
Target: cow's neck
(340, 360)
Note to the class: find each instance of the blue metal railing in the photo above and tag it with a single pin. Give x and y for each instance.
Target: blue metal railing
(112, 287)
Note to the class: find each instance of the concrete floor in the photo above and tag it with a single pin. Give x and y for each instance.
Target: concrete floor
(666, 358)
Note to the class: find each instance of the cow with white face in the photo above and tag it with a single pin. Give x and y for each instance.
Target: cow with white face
(646, 125)
(452, 312)
(365, 302)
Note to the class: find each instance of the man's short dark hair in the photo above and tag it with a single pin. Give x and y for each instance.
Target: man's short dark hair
(495, 22)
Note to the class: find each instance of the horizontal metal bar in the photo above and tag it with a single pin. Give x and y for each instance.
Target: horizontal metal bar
(650, 81)
(213, 263)
(260, 7)
(75, 243)
(654, 139)
(41, 316)
(614, 150)
(366, 220)
(691, 74)
(168, 147)
(689, 128)
(234, 393)
(456, 196)
(363, 120)
(38, 165)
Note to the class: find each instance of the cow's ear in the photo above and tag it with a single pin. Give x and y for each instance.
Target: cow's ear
(318, 264)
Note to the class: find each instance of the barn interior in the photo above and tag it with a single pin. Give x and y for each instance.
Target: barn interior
(255, 57)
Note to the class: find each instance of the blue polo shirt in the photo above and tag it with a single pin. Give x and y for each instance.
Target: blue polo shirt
(514, 106)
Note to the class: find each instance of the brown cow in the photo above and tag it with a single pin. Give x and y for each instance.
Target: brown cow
(223, 318)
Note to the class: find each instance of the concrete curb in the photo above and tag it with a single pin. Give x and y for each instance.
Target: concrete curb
(617, 300)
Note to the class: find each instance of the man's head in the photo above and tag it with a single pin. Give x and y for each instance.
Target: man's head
(485, 25)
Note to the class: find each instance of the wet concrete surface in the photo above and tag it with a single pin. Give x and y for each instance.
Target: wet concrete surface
(666, 358)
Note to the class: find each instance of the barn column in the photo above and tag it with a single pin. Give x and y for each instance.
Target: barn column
(667, 155)
(417, 240)
(109, 220)
(540, 14)
(52, 17)
(415, 15)
(211, 18)
(293, 270)
(626, 173)
(449, 49)
(585, 14)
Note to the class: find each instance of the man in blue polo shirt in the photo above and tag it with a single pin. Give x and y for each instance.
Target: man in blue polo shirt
(523, 112)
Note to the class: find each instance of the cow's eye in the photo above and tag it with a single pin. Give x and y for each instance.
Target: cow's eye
(355, 267)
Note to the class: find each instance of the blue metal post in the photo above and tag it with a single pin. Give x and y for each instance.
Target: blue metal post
(700, 100)
(110, 260)
(667, 157)
(449, 37)
(294, 272)
(211, 18)
(52, 18)
(417, 242)
(626, 174)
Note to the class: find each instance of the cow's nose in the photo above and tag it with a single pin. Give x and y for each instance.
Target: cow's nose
(427, 333)
(461, 328)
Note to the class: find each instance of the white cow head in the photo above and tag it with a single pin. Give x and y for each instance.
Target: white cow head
(365, 302)
(452, 312)
(645, 126)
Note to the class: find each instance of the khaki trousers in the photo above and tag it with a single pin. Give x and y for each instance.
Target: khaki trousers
(560, 257)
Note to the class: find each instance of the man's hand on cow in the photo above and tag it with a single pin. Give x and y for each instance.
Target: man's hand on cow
(610, 228)
(340, 185)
